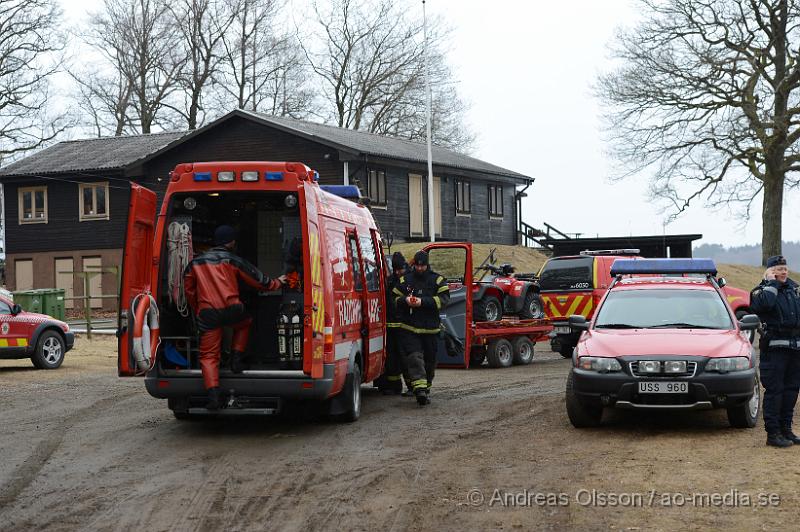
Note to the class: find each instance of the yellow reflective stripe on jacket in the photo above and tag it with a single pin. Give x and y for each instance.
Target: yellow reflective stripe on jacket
(393, 378)
(439, 280)
(419, 331)
(393, 324)
(437, 301)
(444, 288)
(397, 291)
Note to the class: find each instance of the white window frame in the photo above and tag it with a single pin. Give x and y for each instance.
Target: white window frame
(20, 215)
(94, 186)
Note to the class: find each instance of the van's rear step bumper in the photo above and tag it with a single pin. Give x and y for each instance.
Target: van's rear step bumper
(251, 384)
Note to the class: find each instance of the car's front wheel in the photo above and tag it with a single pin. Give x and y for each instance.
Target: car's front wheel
(582, 414)
(49, 352)
(745, 415)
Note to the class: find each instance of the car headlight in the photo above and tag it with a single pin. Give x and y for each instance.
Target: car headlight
(728, 364)
(599, 364)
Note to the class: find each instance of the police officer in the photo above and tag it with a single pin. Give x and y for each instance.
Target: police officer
(419, 297)
(211, 283)
(391, 382)
(777, 302)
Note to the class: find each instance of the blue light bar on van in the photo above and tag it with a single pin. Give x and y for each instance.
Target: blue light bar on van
(663, 266)
(273, 176)
(202, 176)
(350, 192)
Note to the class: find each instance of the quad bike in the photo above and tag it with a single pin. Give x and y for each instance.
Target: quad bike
(499, 291)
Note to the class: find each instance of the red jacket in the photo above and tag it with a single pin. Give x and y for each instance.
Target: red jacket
(211, 281)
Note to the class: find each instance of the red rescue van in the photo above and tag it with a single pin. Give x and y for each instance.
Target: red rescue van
(318, 338)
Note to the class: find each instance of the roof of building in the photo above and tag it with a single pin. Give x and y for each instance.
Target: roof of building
(106, 153)
(376, 145)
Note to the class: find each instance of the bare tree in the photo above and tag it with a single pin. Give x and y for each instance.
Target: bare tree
(104, 101)
(30, 43)
(706, 101)
(137, 39)
(203, 24)
(262, 67)
(371, 62)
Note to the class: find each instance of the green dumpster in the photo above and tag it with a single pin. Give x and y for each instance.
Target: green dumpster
(48, 301)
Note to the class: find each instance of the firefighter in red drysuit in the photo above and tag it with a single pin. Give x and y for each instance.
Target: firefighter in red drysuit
(211, 283)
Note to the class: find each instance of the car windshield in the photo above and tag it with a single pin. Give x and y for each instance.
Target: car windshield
(567, 274)
(664, 309)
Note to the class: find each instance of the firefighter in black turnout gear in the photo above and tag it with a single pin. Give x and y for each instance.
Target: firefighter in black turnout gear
(777, 302)
(419, 297)
(391, 382)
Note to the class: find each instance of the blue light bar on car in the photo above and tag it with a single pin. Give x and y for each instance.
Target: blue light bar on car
(663, 266)
(273, 176)
(202, 176)
(350, 192)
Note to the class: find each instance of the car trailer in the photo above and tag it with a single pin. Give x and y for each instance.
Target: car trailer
(501, 343)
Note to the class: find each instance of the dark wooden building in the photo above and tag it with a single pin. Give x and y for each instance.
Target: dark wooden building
(66, 206)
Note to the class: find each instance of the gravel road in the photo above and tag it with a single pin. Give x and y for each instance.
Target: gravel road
(84, 449)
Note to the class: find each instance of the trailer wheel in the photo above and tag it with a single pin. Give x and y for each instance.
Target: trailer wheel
(476, 356)
(488, 308)
(500, 353)
(523, 350)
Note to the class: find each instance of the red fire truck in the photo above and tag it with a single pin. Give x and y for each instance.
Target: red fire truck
(317, 339)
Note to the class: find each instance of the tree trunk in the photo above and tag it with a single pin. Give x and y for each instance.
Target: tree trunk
(771, 215)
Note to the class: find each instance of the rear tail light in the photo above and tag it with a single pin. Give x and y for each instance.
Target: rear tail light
(328, 340)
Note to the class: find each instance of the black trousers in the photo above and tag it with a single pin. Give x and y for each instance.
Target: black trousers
(419, 355)
(780, 375)
(394, 372)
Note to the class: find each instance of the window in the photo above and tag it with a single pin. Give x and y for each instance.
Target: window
(463, 197)
(376, 188)
(4, 307)
(33, 205)
(354, 260)
(93, 199)
(495, 201)
(370, 266)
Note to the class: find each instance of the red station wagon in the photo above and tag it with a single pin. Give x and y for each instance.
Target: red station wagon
(670, 342)
(39, 337)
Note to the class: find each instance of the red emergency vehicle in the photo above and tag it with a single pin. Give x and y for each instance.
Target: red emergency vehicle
(317, 339)
(42, 338)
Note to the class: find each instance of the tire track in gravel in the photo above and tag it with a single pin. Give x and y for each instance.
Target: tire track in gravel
(27, 472)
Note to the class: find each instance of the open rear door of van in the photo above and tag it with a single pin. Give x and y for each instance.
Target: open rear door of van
(453, 261)
(137, 264)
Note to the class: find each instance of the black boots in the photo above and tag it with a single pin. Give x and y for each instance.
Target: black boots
(779, 440)
(237, 362)
(422, 396)
(213, 399)
(789, 435)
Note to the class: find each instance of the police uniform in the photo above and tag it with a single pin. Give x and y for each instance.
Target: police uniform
(420, 326)
(778, 306)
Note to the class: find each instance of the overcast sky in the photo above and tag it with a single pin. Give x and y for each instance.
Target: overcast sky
(526, 68)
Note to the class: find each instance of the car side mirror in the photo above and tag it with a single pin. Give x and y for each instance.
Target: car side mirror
(749, 322)
(722, 282)
(16, 309)
(578, 323)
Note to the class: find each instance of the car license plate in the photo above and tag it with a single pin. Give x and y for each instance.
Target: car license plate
(663, 387)
(562, 329)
